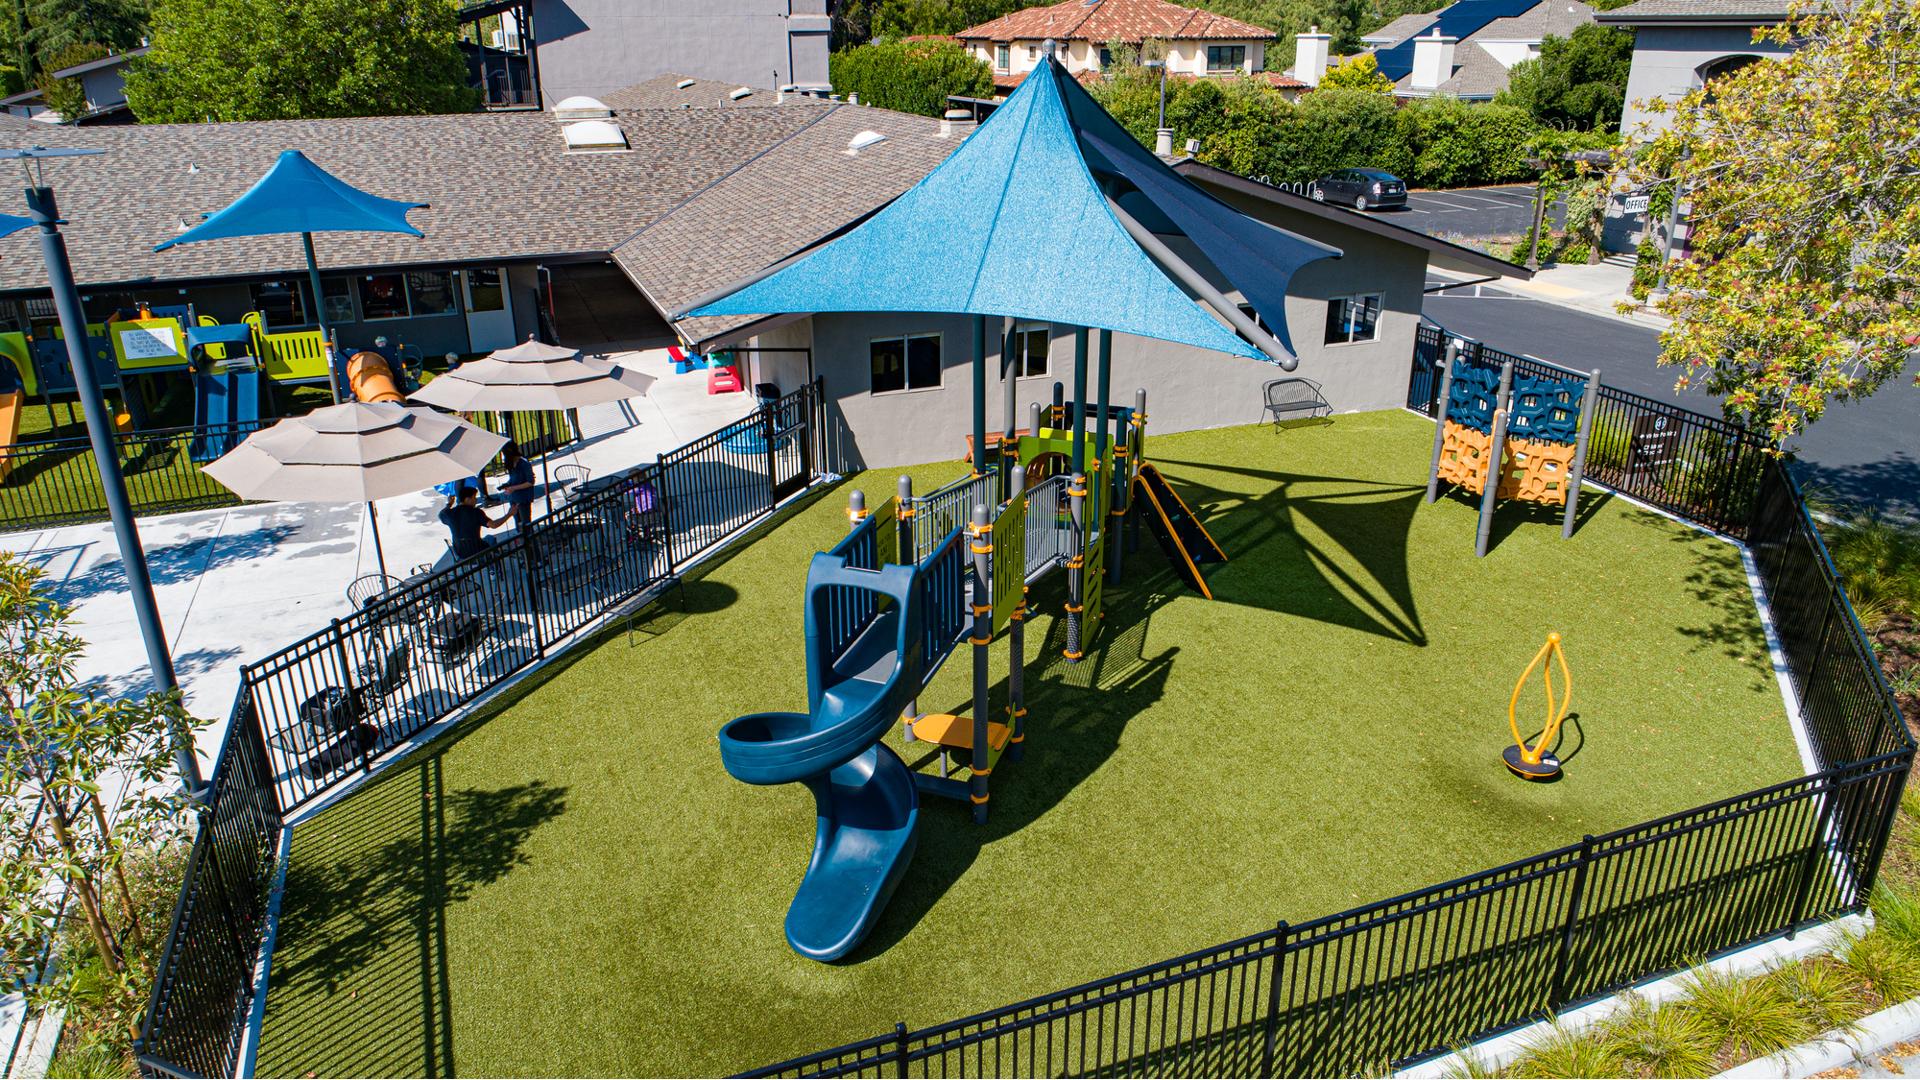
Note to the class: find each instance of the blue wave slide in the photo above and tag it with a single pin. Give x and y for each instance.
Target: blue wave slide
(868, 810)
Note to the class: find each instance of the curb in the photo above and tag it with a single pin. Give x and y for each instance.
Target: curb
(1544, 292)
(1836, 1048)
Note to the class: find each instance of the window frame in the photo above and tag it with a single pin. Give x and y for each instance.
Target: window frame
(360, 298)
(452, 290)
(1021, 331)
(1002, 56)
(906, 365)
(1379, 300)
(298, 290)
(1237, 65)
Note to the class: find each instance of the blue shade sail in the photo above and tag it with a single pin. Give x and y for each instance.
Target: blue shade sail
(1258, 259)
(1460, 21)
(1012, 223)
(10, 224)
(297, 196)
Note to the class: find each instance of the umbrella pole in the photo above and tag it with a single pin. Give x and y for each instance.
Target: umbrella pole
(320, 319)
(379, 555)
(546, 451)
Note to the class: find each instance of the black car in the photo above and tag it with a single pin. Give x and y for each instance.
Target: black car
(1363, 189)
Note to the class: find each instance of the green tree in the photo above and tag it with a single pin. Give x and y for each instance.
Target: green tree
(285, 59)
(1358, 72)
(54, 26)
(68, 97)
(1578, 81)
(901, 18)
(1455, 144)
(1341, 129)
(59, 749)
(909, 76)
(1803, 179)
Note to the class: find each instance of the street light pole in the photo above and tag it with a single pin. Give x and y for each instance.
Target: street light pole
(45, 213)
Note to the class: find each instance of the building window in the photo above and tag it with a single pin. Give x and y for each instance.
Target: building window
(1033, 52)
(1254, 316)
(339, 305)
(280, 303)
(1226, 57)
(1030, 347)
(383, 296)
(1002, 56)
(905, 363)
(431, 292)
(1353, 318)
(1106, 58)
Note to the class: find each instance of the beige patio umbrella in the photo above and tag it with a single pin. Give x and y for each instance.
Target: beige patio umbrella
(532, 377)
(355, 452)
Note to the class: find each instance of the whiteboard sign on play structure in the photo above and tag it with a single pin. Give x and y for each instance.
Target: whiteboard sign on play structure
(149, 343)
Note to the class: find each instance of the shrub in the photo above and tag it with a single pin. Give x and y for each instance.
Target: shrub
(1341, 129)
(1660, 1042)
(1886, 964)
(910, 76)
(67, 96)
(1745, 1018)
(1563, 1053)
(1825, 993)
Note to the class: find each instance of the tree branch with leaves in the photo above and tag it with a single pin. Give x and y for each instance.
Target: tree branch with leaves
(1802, 178)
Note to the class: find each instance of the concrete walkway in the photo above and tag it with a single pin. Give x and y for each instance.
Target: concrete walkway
(1595, 290)
(236, 585)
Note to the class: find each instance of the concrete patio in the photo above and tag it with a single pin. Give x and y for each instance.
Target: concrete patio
(238, 584)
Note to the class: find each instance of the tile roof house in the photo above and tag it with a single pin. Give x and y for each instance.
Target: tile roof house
(1463, 51)
(1679, 44)
(1199, 43)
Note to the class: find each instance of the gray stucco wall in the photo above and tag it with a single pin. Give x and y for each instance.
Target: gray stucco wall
(1667, 62)
(1187, 388)
(597, 46)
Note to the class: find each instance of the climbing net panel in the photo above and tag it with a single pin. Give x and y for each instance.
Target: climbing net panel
(1536, 471)
(1544, 410)
(1464, 455)
(1474, 396)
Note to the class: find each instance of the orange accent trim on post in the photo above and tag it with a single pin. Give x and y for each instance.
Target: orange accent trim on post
(980, 641)
(978, 800)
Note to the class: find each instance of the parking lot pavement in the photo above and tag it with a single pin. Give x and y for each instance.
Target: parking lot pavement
(1473, 212)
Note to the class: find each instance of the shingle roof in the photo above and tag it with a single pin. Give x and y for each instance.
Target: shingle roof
(1690, 10)
(500, 186)
(782, 202)
(665, 92)
(1476, 73)
(1129, 21)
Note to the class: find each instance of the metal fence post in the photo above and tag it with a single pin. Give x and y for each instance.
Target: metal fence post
(533, 593)
(1268, 1052)
(1563, 960)
(666, 506)
(1803, 892)
(768, 428)
(901, 1059)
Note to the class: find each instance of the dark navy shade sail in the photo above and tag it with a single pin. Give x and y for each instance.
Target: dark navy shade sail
(297, 196)
(1015, 222)
(10, 224)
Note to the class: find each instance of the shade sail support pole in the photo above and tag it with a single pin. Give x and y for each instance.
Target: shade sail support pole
(1204, 289)
(1077, 502)
(335, 380)
(979, 395)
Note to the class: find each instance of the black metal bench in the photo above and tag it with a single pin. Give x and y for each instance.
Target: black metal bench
(1294, 399)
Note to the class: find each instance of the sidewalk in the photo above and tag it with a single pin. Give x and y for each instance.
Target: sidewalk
(1593, 289)
(236, 585)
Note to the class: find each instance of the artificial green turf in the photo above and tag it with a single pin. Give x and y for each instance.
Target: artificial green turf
(575, 886)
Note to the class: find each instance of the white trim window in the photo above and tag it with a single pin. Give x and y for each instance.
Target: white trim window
(1002, 56)
(1031, 345)
(902, 364)
(1225, 58)
(1353, 319)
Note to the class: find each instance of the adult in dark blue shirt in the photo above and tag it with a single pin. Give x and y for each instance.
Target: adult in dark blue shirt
(518, 487)
(464, 521)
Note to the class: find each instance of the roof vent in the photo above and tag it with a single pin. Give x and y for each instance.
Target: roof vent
(1193, 146)
(594, 137)
(683, 84)
(581, 107)
(863, 140)
(736, 95)
(952, 117)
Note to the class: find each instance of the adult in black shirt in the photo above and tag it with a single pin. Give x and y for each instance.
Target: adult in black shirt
(464, 521)
(518, 487)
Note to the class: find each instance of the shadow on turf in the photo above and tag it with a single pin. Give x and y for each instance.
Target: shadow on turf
(363, 928)
(1271, 565)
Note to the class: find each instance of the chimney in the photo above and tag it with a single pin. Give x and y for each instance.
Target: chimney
(956, 118)
(1310, 56)
(1432, 60)
(1163, 142)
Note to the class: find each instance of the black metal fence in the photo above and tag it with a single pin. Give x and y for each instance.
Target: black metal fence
(1702, 468)
(320, 711)
(1384, 985)
(57, 481)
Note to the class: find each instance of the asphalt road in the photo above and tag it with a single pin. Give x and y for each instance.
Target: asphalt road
(1473, 212)
(1865, 452)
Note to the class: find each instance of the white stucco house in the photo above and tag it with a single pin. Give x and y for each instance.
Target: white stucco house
(1463, 51)
(1199, 43)
(1679, 44)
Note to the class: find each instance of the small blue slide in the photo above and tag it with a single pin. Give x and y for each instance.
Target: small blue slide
(864, 794)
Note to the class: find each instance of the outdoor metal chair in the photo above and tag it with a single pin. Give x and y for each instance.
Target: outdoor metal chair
(571, 480)
(646, 519)
(1288, 399)
(366, 588)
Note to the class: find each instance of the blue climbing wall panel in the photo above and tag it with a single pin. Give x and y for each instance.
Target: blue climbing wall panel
(1473, 397)
(1546, 410)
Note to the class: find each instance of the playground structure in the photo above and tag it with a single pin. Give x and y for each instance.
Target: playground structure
(1529, 431)
(1537, 762)
(372, 379)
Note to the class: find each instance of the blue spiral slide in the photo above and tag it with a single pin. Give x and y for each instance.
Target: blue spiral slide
(864, 794)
